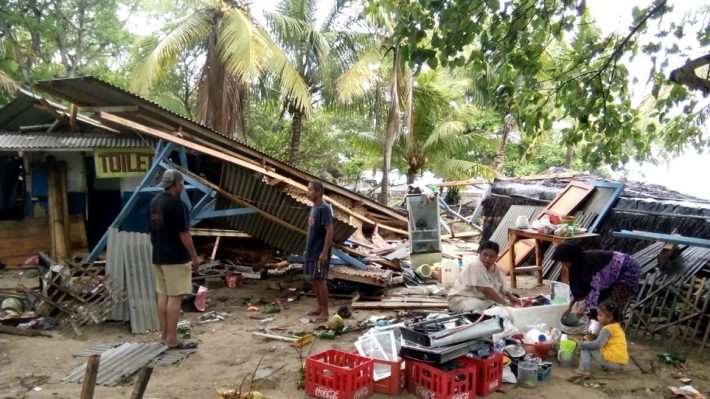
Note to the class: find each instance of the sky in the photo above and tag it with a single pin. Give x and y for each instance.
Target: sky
(684, 172)
(681, 173)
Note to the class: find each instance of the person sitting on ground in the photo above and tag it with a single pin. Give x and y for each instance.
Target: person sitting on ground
(609, 349)
(597, 275)
(481, 284)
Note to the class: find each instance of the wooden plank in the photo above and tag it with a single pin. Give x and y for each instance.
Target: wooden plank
(89, 383)
(141, 382)
(217, 233)
(400, 305)
(107, 108)
(21, 239)
(22, 332)
(522, 250)
(569, 199)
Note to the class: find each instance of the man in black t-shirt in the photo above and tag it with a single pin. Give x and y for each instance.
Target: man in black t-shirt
(318, 242)
(173, 250)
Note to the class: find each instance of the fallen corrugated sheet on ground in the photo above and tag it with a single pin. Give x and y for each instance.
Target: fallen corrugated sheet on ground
(119, 363)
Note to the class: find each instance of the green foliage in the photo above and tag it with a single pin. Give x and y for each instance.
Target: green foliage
(539, 78)
(331, 147)
(47, 39)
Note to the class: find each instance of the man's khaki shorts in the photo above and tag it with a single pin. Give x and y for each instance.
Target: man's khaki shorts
(173, 280)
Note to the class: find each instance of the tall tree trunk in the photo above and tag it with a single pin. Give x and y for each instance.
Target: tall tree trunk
(296, 127)
(411, 174)
(505, 136)
(410, 110)
(569, 157)
(378, 108)
(393, 121)
(221, 98)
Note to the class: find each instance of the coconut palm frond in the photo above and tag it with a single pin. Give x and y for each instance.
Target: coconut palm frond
(459, 169)
(445, 131)
(159, 54)
(360, 78)
(292, 84)
(334, 13)
(366, 143)
(288, 29)
(7, 83)
(242, 46)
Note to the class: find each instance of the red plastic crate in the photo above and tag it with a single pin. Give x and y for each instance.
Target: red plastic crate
(490, 373)
(395, 383)
(427, 381)
(339, 375)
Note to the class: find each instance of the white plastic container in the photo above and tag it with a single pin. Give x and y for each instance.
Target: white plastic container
(523, 318)
(449, 272)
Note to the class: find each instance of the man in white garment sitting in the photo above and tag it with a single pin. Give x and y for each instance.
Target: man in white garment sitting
(481, 284)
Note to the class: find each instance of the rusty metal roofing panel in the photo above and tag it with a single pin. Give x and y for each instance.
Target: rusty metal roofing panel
(90, 91)
(140, 281)
(73, 141)
(249, 187)
(118, 363)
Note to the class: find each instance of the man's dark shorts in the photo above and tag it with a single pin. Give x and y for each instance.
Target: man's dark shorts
(312, 271)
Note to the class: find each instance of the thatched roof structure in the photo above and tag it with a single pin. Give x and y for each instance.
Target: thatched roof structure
(641, 206)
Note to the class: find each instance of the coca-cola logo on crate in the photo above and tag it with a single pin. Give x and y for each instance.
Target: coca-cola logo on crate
(424, 393)
(362, 393)
(326, 393)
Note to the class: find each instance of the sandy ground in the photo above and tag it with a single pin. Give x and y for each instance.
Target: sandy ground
(228, 353)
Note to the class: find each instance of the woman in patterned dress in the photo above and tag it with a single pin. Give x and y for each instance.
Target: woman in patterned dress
(597, 275)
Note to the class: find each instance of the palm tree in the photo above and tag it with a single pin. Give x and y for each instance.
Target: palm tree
(238, 51)
(318, 52)
(448, 135)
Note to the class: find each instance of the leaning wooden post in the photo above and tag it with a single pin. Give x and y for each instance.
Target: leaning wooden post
(141, 382)
(92, 369)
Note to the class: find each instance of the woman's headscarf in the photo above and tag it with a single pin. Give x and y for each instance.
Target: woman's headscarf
(584, 265)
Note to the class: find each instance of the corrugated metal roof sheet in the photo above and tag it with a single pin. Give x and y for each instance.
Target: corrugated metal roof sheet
(500, 235)
(130, 263)
(88, 141)
(116, 270)
(118, 363)
(94, 350)
(90, 91)
(140, 282)
(22, 112)
(248, 186)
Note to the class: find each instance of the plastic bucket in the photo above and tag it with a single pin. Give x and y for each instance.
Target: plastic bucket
(424, 270)
(449, 272)
(527, 374)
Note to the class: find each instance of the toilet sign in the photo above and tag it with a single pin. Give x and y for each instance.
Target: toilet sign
(122, 162)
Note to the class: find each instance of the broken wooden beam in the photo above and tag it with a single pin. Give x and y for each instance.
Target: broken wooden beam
(92, 370)
(141, 382)
(22, 332)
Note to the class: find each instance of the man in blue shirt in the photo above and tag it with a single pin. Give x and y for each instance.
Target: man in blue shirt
(318, 243)
(173, 250)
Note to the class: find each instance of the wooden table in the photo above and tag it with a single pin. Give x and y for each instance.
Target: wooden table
(516, 234)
